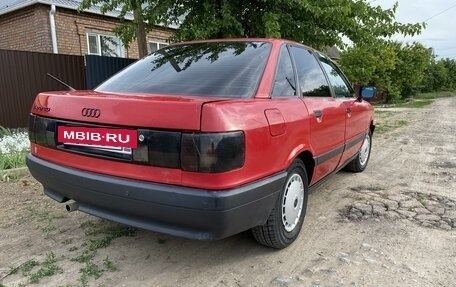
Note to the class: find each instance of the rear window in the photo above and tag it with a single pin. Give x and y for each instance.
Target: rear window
(216, 69)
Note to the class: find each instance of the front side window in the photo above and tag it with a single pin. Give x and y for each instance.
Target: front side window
(311, 77)
(154, 46)
(213, 69)
(339, 85)
(104, 45)
(284, 83)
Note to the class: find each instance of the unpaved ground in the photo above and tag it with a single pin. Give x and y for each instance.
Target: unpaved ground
(392, 225)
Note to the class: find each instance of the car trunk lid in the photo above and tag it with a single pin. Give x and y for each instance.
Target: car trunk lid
(132, 110)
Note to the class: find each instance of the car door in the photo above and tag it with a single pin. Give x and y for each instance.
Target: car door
(355, 110)
(326, 113)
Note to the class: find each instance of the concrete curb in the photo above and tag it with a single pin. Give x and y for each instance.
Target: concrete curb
(16, 172)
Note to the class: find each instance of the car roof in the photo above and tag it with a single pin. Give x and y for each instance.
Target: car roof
(274, 41)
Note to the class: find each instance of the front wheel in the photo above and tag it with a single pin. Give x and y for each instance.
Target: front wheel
(286, 218)
(359, 163)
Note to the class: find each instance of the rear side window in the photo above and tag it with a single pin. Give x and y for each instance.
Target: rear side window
(284, 83)
(215, 69)
(311, 77)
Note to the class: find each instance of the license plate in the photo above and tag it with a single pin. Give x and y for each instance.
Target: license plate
(100, 138)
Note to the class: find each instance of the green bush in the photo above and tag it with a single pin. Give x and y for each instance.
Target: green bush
(14, 145)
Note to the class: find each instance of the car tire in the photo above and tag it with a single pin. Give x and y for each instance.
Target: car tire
(359, 163)
(286, 218)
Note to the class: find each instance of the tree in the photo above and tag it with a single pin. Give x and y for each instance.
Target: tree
(127, 30)
(316, 23)
(450, 65)
(393, 67)
(372, 64)
(412, 62)
(436, 76)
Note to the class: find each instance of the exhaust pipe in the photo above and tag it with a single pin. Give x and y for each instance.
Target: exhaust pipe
(72, 206)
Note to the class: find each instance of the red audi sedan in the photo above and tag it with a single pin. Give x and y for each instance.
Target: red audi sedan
(204, 139)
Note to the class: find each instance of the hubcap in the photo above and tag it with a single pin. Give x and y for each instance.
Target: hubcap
(292, 202)
(364, 152)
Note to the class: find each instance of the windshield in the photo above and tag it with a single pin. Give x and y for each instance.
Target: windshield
(214, 69)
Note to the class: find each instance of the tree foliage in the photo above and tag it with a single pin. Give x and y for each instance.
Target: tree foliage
(412, 61)
(396, 68)
(440, 75)
(400, 70)
(315, 23)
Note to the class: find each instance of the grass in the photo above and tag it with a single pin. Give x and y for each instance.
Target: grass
(14, 145)
(67, 241)
(47, 268)
(84, 257)
(416, 103)
(24, 268)
(435, 95)
(421, 100)
(89, 270)
(44, 218)
(12, 160)
(387, 126)
(109, 265)
(383, 112)
(104, 234)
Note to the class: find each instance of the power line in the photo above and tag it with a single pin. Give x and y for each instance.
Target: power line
(440, 13)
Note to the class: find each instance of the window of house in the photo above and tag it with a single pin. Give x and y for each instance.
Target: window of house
(104, 45)
(154, 46)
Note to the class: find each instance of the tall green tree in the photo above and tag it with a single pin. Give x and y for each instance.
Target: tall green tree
(450, 65)
(316, 23)
(412, 61)
(397, 69)
(436, 77)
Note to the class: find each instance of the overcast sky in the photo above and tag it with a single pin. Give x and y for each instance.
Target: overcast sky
(440, 32)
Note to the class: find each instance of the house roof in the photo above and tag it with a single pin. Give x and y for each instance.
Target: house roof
(7, 6)
(333, 52)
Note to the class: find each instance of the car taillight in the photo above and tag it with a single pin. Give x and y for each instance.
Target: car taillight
(158, 148)
(212, 152)
(31, 128)
(42, 131)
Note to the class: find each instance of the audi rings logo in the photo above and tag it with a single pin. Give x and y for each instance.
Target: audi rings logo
(91, 113)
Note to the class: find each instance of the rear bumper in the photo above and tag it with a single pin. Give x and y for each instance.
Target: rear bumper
(180, 211)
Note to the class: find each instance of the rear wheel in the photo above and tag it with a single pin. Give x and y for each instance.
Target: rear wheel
(286, 218)
(360, 162)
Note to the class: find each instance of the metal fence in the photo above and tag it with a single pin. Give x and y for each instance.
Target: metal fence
(23, 76)
(100, 68)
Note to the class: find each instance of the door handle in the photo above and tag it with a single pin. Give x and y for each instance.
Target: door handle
(318, 114)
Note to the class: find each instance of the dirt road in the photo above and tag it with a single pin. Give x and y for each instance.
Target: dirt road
(392, 225)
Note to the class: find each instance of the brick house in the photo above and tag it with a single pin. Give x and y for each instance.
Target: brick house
(56, 26)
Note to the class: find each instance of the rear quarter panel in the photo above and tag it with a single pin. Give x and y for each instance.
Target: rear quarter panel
(265, 154)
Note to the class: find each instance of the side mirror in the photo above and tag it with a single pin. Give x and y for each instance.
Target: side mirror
(367, 93)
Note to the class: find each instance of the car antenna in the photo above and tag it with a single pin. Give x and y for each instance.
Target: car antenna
(61, 82)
